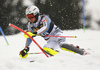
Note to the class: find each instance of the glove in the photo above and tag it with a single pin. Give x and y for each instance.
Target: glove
(23, 53)
(30, 33)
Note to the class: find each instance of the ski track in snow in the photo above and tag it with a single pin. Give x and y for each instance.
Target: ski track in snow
(10, 60)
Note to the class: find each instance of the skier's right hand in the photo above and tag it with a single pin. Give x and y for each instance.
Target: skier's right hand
(23, 53)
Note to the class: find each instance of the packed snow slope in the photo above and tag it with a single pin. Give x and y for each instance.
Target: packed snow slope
(89, 39)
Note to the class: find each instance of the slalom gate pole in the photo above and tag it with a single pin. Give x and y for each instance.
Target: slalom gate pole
(83, 16)
(60, 36)
(29, 37)
(4, 35)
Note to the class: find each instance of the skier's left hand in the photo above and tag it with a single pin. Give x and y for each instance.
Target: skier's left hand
(30, 33)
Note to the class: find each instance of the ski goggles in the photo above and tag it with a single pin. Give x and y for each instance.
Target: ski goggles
(30, 16)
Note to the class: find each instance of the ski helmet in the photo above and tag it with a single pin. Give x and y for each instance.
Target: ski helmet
(33, 10)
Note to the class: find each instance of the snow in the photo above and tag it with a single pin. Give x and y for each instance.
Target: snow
(92, 9)
(89, 39)
(28, 2)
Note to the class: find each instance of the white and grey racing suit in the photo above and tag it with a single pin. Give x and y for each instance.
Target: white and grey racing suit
(44, 26)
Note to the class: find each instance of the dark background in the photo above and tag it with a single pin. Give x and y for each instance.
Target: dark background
(64, 13)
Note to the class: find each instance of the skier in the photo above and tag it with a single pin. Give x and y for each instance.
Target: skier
(43, 25)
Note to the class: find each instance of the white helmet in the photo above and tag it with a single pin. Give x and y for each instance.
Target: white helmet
(32, 10)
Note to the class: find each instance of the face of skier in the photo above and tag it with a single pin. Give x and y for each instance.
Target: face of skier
(31, 18)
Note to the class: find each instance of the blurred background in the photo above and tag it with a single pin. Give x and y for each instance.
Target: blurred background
(67, 14)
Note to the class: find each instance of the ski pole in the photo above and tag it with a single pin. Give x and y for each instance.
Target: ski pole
(36, 53)
(31, 34)
(4, 35)
(83, 16)
(60, 36)
(29, 37)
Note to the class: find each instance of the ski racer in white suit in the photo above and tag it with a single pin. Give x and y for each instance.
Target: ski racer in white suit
(42, 25)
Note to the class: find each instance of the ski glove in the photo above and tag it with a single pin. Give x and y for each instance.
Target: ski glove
(23, 53)
(30, 33)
